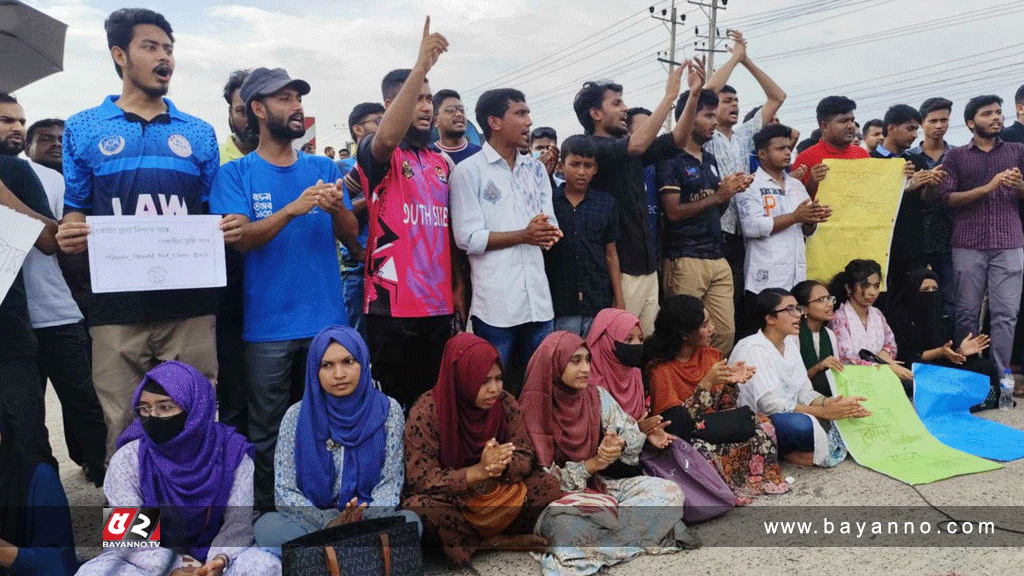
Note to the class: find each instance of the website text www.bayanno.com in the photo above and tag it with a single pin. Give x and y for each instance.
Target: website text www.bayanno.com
(860, 529)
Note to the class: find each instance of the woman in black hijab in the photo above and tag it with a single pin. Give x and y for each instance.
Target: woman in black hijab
(924, 334)
(35, 522)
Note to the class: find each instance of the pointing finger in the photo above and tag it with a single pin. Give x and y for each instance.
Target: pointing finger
(426, 27)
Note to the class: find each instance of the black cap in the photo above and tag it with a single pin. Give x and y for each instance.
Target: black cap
(264, 82)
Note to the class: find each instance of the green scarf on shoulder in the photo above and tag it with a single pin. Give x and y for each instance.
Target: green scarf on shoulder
(807, 345)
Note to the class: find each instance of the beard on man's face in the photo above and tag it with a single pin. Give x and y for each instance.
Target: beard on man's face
(247, 138)
(11, 147)
(419, 138)
(280, 128)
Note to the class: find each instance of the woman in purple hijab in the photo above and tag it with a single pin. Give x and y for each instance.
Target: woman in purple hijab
(175, 457)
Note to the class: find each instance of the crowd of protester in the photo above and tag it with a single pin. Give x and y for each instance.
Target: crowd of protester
(490, 341)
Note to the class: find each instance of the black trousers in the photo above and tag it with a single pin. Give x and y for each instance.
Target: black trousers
(232, 383)
(64, 359)
(21, 400)
(735, 254)
(406, 353)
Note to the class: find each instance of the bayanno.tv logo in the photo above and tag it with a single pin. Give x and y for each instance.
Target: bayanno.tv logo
(131, 527)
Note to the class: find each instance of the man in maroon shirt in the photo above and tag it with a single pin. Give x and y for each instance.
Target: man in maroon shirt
(838, 131)
(983, 185)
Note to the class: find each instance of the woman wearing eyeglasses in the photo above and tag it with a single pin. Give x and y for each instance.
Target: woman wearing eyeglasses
(860, 326)
(196, 471)
(781, 389)
(817, 341)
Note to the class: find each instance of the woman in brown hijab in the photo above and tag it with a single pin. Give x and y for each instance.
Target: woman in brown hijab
(579, 430)
(471, 474)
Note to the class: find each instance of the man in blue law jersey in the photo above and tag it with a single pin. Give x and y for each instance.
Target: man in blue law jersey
(293, 207)
(137, 154)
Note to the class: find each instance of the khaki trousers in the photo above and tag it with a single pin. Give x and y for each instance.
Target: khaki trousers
(711, 281)
(640, 294)
(123, 353)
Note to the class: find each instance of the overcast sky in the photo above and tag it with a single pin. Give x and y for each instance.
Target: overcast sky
(878, 52)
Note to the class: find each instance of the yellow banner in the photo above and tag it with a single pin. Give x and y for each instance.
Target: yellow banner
(865, 198)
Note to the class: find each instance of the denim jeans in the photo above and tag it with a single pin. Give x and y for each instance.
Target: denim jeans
(515, 345)
(579, 325)
(270, 366)
(352, 291)
(795, 432)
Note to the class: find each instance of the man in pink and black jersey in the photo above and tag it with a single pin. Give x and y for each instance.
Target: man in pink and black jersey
(411, 291)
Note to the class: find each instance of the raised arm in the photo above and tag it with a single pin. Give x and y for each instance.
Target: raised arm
(739, 52)
(683, 130)
(773, 92)
(640, 140)
(398, 116)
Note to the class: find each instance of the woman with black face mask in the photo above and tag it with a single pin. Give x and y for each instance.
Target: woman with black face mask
(924, 334)
(197, 472)
(616, 343)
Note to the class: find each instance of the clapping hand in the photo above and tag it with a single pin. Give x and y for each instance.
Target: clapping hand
(952, 355)
(610, 449)
(830, 363)
(352, 512)
(658, 437)
(496, 457)
(332, 198)
(972, 344)
(841, 407)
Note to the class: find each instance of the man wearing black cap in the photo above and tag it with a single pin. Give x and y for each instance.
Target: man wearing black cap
(292, 206)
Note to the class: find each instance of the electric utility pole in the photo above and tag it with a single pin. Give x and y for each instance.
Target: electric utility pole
(671, 17)
(711, 10)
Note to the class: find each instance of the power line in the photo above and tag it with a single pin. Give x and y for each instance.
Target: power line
(927, 26)
(868, 84)
(553, 57)
(775, 31)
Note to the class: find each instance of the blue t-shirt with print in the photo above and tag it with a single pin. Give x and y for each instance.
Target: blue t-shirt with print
(292, 283)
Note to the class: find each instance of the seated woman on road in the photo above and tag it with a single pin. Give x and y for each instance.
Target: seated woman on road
(690, 378)
(361, 471)
(35, 522)
(858, 325)
(616, 343)
(817, 341)
(780, 387)
(925, 336)
(579, 430)
(470, 470)
(197, 471)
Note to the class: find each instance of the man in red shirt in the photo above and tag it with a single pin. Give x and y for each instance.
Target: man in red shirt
(838, 131)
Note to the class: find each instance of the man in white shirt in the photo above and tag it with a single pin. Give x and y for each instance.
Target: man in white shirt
(775, 215)
(502, 216)
(64, 355)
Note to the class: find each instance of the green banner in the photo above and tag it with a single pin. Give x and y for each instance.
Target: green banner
(893, 440)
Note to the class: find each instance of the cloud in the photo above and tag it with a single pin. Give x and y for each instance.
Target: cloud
(544, 47)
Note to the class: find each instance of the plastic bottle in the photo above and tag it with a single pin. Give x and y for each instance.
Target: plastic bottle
(1006, 391)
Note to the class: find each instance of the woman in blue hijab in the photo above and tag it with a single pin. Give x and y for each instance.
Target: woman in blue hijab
(339, 451)
(174, 456)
